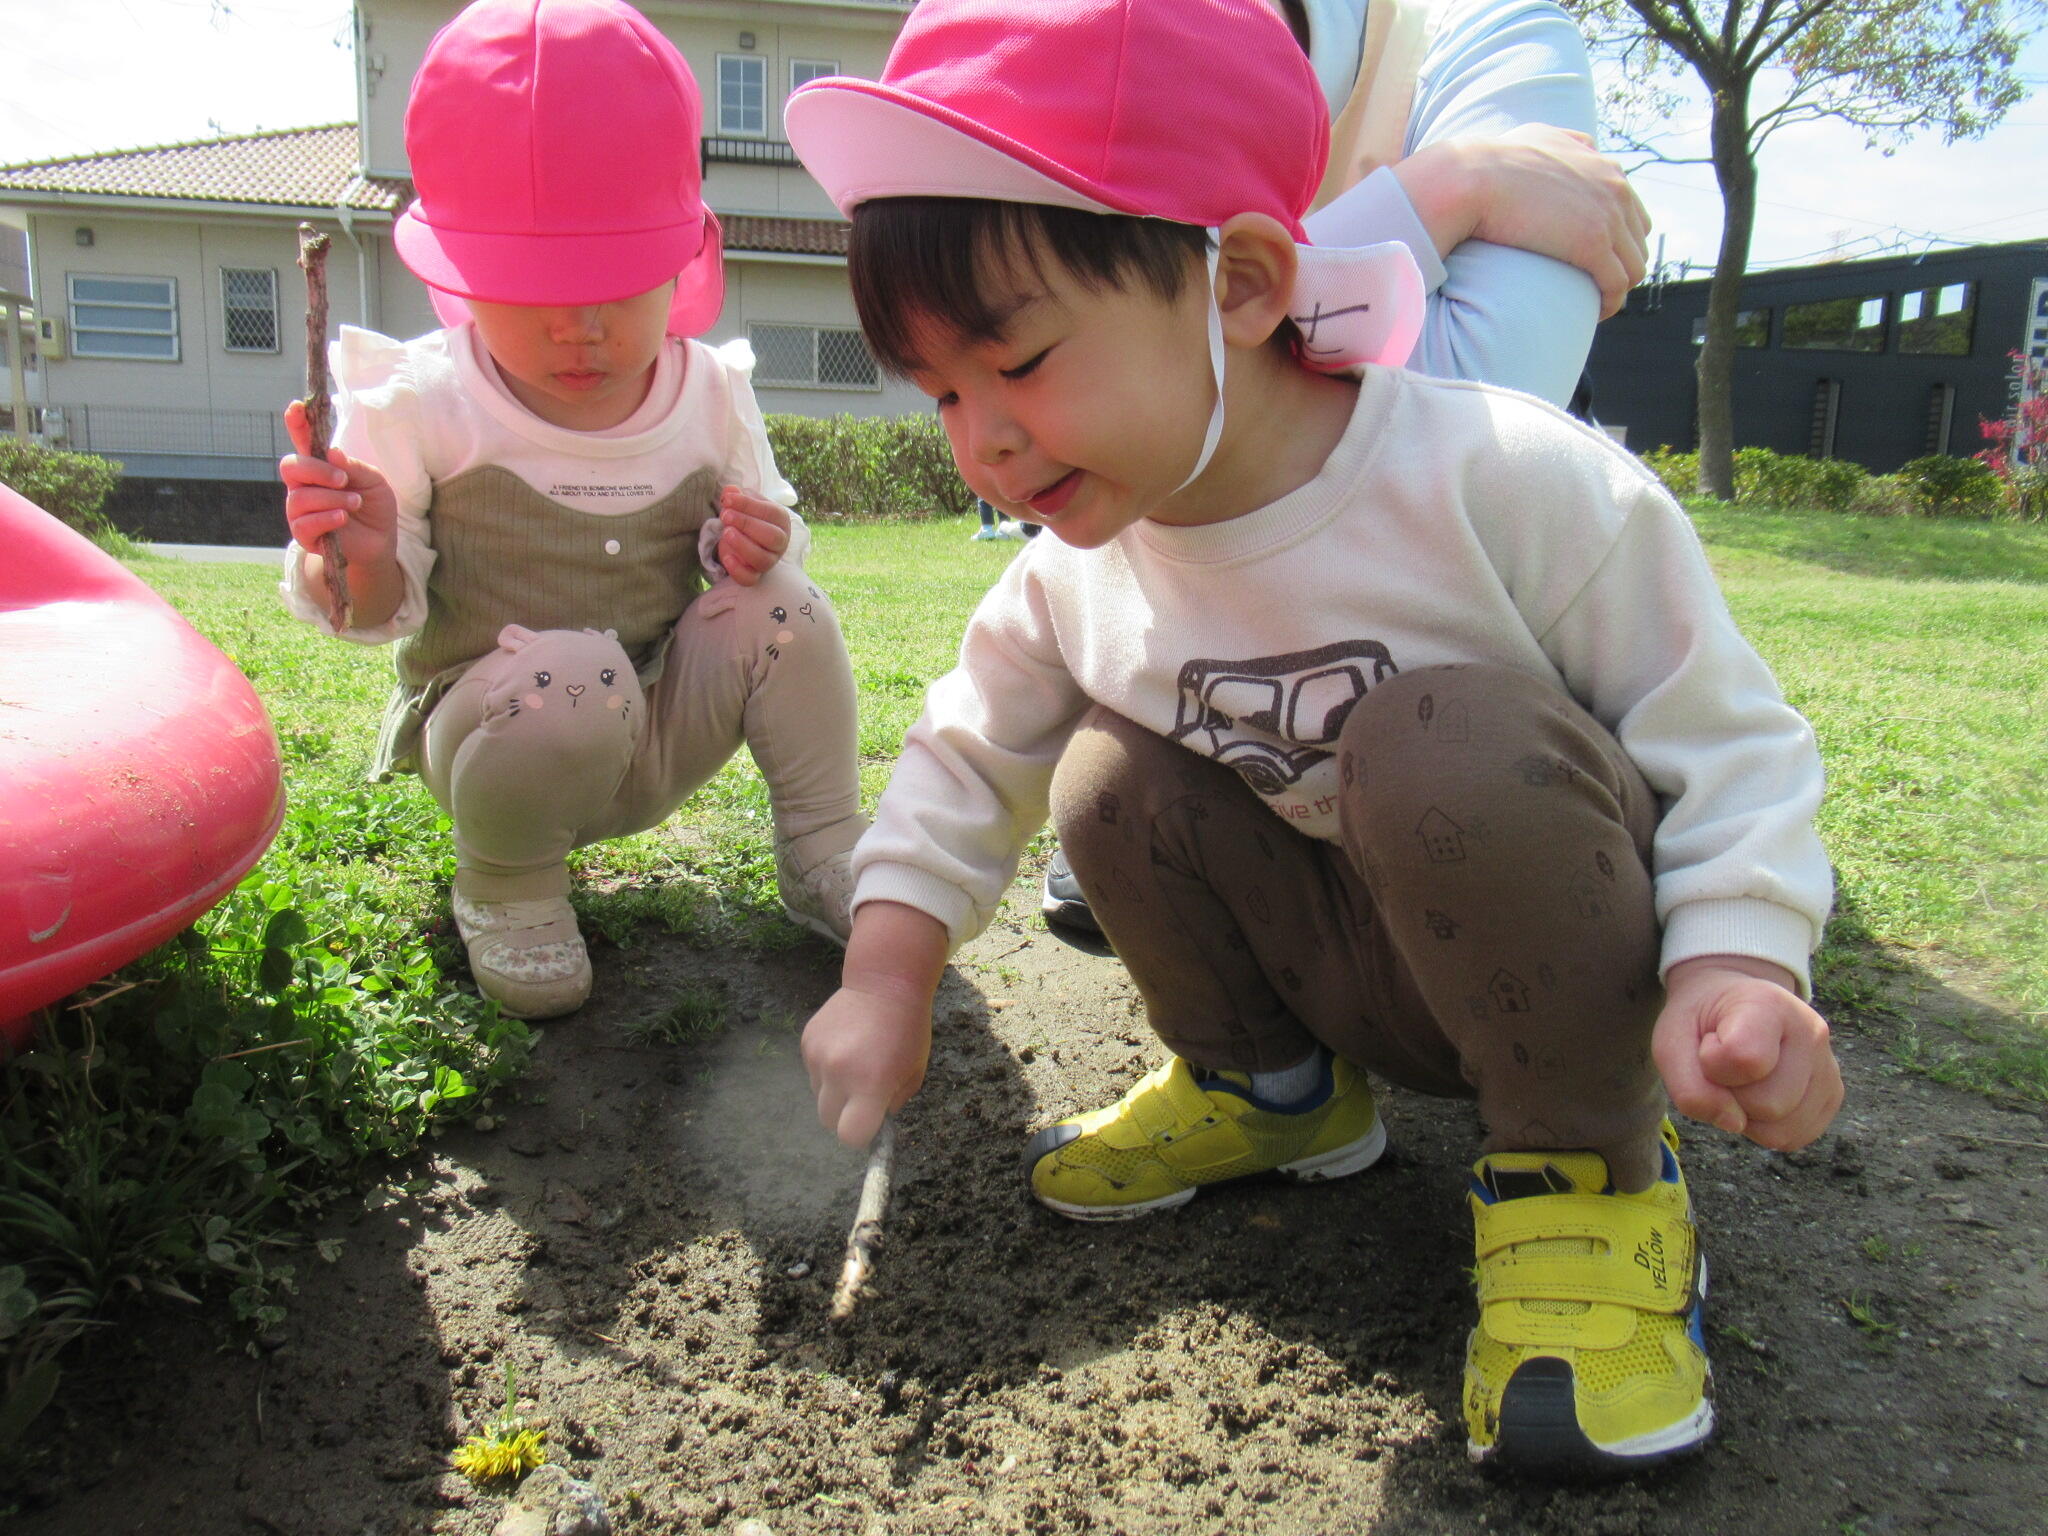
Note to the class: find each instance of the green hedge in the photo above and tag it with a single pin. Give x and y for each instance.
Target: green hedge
(1934, 486)
(862, 468)
(72, 487)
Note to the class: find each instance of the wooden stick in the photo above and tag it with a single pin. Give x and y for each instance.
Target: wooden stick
(866, 1235)
(320, 413)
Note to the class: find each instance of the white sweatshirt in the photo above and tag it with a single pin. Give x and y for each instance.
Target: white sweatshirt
(1453, 523)
(425, 410)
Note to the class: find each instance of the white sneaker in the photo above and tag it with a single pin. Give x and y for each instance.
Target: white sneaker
(980, 534)
(814, 874)
(528, 956)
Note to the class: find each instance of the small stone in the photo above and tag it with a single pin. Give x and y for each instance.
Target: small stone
(1009, 1464)
(552, 1503)
(752, 1528)
(485, 1122)
(797, 1270)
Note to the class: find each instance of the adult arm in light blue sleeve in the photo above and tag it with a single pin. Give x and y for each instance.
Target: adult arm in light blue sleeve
(1496, 314)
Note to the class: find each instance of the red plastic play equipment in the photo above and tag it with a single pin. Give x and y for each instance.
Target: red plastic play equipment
(138, 771)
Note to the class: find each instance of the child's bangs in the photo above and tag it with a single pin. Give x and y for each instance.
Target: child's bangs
(955, 267)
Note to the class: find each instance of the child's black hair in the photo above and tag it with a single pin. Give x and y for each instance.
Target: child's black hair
(917, 262)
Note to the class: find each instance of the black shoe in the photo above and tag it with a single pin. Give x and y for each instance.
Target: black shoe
(1065, 906)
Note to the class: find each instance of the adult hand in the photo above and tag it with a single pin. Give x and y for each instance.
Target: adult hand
(1536, 188)
(754, 534)
(337, 495)
(1738, 1048)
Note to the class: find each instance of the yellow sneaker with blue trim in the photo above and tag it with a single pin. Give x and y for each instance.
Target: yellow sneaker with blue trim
(1589, 1356)
(1181, 1128)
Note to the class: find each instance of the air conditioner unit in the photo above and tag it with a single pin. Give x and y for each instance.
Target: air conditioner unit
(49, 337)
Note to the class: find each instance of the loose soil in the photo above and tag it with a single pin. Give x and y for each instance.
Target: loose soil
(650, 1237)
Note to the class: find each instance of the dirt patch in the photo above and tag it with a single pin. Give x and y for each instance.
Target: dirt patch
(650, 1237)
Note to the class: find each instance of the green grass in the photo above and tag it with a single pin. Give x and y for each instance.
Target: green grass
(1919, 650)
(176, 1132)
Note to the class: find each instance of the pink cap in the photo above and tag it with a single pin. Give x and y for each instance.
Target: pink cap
(554, 148)
(1189, 110)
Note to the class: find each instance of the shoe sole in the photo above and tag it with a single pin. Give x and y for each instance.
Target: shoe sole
(1335, 1164)
(1540, 1434)
(817, 925)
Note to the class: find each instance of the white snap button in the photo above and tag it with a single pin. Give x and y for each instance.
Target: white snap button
(611, 546)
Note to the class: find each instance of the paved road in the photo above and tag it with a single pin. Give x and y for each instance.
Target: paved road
(250, 554)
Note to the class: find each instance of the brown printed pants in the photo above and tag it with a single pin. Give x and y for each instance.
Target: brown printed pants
(1485, 929)
(529, 771)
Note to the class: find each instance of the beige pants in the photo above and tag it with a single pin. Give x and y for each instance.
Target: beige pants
(549, 743)
(1485, 928)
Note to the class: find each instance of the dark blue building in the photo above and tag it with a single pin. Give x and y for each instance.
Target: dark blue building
(1874, 361)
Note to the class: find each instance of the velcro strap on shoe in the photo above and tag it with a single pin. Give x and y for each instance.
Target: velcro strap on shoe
(1174, 1107)
(1649, 1262)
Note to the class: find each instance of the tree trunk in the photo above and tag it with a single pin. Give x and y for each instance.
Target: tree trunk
(1736, 171)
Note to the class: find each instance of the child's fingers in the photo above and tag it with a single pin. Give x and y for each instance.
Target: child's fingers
(764, 531)
(1744, 1045)
(309, 528)
(860, 1120)
(299, 469)
(1677, 1052)
(744, 560)
(1804, 1119)
(297, 428)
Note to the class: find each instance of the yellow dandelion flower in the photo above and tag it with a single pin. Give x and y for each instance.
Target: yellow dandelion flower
(503, 1453)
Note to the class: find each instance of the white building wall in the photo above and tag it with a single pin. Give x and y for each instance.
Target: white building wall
(793, 294)
(142, 410)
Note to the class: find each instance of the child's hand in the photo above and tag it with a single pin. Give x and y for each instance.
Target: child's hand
(754, 535)
(337, 495)
(866, 1055)
(866, 1048)
(1738, 1048)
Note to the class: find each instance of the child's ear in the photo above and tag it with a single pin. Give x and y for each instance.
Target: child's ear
(1255, 278)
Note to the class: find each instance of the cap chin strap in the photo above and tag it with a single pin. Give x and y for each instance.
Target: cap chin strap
(1215, 433)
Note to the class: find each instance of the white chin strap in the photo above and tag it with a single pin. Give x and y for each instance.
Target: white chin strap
(1215, 432)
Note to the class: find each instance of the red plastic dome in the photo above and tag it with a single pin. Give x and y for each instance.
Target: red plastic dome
(139, 773)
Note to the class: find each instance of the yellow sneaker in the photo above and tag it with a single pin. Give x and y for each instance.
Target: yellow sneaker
(1176, 1131)
(1588, 1357)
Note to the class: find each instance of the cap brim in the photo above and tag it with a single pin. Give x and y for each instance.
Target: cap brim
(574, 269)
(861, 139)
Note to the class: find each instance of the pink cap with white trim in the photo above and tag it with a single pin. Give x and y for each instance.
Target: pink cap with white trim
(554, 147)
(1188, 110)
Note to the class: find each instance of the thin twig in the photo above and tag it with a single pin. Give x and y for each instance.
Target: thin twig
(320, 414)
(258, 1050)
(1996, 1141)
(866, 1235)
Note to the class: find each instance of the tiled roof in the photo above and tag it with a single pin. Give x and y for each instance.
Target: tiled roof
(316, 168)
(795, 237)
(292, 167)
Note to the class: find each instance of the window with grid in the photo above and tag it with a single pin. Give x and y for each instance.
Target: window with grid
(803, 71)
(742, 94)
(814, 355)
(124, 317)
(248, 295)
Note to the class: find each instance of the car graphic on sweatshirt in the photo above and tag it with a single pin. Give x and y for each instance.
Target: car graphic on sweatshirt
(1272, 718)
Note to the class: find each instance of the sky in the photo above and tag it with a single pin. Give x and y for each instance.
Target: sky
(87, 76)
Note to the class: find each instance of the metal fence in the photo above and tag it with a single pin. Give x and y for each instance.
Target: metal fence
(119, 429)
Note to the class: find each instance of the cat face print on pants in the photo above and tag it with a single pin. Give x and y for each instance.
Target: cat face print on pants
(572, 671)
